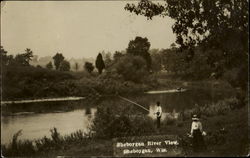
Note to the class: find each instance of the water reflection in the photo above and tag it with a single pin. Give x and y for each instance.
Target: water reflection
(36, 126)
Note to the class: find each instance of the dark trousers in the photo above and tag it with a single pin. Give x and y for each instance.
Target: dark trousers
(158, 122)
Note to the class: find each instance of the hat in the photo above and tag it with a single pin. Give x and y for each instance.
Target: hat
(195, 118)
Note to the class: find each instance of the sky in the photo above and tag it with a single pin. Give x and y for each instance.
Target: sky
(77, 28)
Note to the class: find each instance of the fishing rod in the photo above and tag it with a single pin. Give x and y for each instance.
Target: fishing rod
(133, 103)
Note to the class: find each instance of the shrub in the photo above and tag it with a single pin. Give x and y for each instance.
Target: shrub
(169, 121)
(114, 122)
(29, 82)
(132, 68)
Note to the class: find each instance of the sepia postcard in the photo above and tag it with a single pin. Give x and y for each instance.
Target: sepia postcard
(131, 78)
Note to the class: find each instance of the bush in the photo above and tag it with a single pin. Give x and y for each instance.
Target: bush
(132, 68)
(112, 122)
(30, 82)
(169, 120)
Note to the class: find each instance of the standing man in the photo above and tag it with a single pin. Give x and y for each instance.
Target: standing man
(158, 114)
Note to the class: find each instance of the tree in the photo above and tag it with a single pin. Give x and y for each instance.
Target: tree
(140, 47)
(49, 65)
(99, 63)
(76, 66)
(58, 58)
(3, 56)
(107, 60)
(156, 60)
(64, 66)
(117, 55)
(132, 68)
(221, 25)
(89, 67)
(25, 58)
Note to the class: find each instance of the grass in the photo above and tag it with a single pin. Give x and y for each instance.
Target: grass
(227, 135)
(44, 145)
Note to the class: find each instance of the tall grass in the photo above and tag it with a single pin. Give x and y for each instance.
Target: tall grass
(220, 108)
(44, 145)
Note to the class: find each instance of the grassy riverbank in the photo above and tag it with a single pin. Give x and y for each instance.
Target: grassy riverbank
(236, 141)
(227, 134)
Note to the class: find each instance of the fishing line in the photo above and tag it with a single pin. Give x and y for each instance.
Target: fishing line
(134, 103)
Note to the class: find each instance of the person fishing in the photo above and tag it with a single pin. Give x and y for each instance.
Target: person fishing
(158, 114)
(197, 134)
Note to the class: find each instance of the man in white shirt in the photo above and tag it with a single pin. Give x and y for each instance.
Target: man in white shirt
(158, 114)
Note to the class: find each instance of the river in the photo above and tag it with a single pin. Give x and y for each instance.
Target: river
(36, 119)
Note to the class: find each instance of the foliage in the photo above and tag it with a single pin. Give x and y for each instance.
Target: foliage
(213, 24)
(49, 65)
(58, 58)
(89, 67)
(64, 66)
(44, 145)
(117, 55)
(112, 122)
(131, 68)
(140, 47)
(157, 62)
(195, 19)
(3, 56)
(28, 81)
(168, 121)
(215, 109)
(107, 59)
(23, 59)
(99, 63)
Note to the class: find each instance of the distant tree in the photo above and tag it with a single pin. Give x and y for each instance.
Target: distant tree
(99, 63)
(157, 61)
(58, 58)
(64, 66)
(140, 47)
(25, 58)
(76, 66)
(49, 65)
(89, 67)
(132, 68)
(117, 55)
(107, 60)
(3, 55)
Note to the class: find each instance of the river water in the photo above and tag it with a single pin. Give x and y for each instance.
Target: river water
(36, 120)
